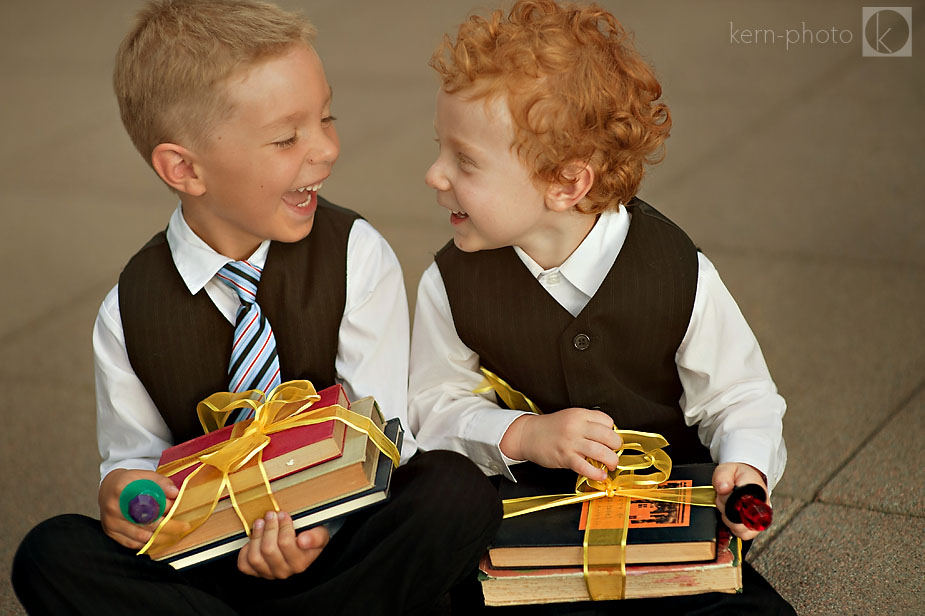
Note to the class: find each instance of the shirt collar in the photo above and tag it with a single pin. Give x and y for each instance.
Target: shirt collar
(589, 264)
(195, 260)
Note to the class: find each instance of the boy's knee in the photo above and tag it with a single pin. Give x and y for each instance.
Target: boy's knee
(456, 474)
(53, 537)
(44, 551)
(452, 486)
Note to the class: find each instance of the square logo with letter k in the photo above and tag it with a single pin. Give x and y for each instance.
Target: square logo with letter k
(886, 31)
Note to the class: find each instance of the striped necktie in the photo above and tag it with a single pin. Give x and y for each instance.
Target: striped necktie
(254, 363)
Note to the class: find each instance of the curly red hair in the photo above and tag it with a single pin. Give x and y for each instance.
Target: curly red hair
(576, 87)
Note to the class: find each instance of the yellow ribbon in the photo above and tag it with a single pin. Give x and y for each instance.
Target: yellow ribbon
(512, 398)
(285, 407)
(622, 483)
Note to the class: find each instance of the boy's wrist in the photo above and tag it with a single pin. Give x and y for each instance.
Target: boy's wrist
(512, 442)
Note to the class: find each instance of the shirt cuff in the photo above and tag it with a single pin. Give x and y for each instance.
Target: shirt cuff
(485, 441)
(130, 464)
(754, 451)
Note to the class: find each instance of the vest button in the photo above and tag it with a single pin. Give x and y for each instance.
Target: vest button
(581, 341)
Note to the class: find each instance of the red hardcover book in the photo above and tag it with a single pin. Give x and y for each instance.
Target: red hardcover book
(289, 451)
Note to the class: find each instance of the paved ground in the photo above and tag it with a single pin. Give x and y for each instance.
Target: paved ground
(795, 163)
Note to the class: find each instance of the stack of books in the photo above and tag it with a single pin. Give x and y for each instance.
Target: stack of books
(317, 473)
(671, 548)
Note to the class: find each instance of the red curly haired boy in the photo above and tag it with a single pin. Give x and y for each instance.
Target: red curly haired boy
(560, 280)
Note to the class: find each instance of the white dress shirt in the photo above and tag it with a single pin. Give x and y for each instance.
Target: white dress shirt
(728, 392)
(372, 350)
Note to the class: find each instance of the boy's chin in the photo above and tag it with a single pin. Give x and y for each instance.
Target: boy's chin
(475, 244)
(296, 233)
(465, 246)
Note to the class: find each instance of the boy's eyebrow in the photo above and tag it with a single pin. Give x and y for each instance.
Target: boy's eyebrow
(461, 144)
(293, 116)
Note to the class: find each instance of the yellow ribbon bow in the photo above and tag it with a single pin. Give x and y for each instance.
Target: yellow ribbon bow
(286, 406)
(623, 484)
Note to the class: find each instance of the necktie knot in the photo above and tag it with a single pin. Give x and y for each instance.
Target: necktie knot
(243, 278)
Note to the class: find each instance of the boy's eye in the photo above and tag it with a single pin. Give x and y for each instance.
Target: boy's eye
(329, 119)
(288, 143)
(465, 160)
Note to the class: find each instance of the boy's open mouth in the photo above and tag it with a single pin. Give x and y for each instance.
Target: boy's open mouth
(300, 197)
(456, 217)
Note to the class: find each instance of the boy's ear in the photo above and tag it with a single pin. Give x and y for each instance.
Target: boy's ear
(175, 164)
(565, 196)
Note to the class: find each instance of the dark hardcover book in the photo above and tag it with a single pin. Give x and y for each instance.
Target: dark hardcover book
(378, 492)
(658, 532)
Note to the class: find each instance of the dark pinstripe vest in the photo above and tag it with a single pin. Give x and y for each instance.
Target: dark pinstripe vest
(179, 344)
(618, 354)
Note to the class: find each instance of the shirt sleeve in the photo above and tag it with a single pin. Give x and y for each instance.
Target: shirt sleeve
(728, 391)
(130, 432)
(372, 350)
(444, 411)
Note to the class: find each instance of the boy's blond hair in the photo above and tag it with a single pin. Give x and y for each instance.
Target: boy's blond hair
(171, 67)
(576, 87)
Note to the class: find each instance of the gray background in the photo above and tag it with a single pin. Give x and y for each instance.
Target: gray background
(797, 170)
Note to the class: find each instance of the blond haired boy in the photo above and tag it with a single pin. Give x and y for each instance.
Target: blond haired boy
(228, 102)
(566, 285)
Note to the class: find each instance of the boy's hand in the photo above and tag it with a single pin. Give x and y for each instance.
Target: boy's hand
(563, 440)
(725, 478)
(126, 532)
(274, 552)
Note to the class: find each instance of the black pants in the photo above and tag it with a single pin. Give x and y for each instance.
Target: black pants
(397, 558)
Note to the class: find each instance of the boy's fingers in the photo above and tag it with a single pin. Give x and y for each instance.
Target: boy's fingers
(244, 565)
(270, 547)
(172, 527)
(296, 558)
(583, 467)
(740, 530)
(133, 536)
(724, 478)
(167, 485)
(270, 529)
(606, 436)
(249, 556)
(601, 453)
(286, 534)
(254, 550)
(600, 417)
(127, 534)
(285, 523)
(314, 538)
(127, 541)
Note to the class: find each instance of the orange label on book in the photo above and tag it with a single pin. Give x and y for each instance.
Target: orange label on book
(643, 513)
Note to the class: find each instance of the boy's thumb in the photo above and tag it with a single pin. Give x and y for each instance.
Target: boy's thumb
(170, 489)
(724, 478)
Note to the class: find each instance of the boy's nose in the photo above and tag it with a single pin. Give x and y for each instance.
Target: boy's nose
(435, 178)
(325, 149)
